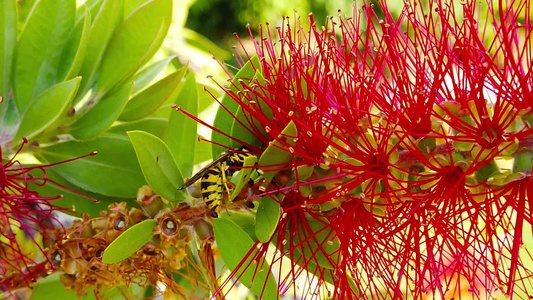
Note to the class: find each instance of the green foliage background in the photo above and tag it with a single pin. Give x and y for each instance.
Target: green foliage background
(102, 76)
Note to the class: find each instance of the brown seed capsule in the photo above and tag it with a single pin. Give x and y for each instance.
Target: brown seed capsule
(55, 257)
(170, 226)
(119, 223)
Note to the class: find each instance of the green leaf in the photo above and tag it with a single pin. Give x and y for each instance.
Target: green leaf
(224, 118)
(108, 18)
(252, 273)
(53, 288)
(181, 135)
(157, 164)
(39, 49)
(74, 52)
(267, 219)
(151, 99)
(244, 218)
(93, 5)
(8, 38)
(74, 201)
(10, 120)
(103, 115)
(131, 5)
(202, 152)
(273, 155)
(155, 126)
(148, 73)
(113, 172)
(134, 43)
(131, 240)
(245, 174)
(46, 108)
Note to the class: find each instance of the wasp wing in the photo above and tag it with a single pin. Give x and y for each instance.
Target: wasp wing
(222, 157)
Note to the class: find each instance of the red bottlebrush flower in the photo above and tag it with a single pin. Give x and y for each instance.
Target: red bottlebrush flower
(397, 186)
(24, 215)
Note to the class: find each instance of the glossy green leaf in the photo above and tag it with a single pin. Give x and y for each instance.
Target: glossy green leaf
(92, 5)
(8, 39)
(245, 175)
(254, 274)
(149, 73)
(273, 155)
(53, 288)
(131, 5)
(224, 118)
(244, 218)
(71, 200)
(151, 98)
(46, 108)
(131, 240)
(113, 172)
(158, 165)
(155, 126)
(267, 219)
(102, 115)
(39, 49)
(108, 18)
(181, 135)
(74, 52)
(202, 152)
(134, 43)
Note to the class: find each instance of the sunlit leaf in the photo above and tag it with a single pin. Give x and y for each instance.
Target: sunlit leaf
(253, 273)
(74, 52)
(131, 5)
(134, 43)
(46, 108)
(148, 73)
(158, 165)
(39, 49)
(181, 135)
(152, 98)
(131, 240)
(92, 5)
(108, 18)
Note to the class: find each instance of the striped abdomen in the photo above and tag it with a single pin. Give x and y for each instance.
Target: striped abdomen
(236, 161)
(212, 188)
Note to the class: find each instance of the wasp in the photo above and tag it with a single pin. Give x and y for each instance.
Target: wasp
(215, 176)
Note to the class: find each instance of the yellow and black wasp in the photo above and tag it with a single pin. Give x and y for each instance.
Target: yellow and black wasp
(216, 175)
